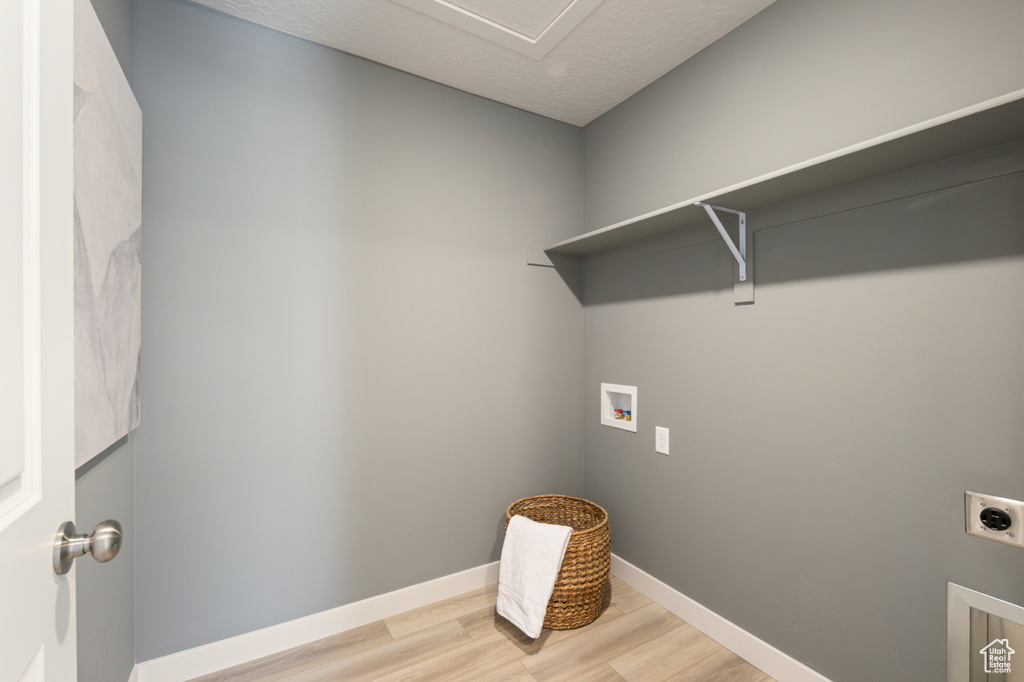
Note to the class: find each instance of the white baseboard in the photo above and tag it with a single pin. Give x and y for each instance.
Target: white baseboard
(210, 658)
(745, 645)
(226, 653)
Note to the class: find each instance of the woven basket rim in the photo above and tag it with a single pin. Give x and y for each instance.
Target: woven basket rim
(554, 497)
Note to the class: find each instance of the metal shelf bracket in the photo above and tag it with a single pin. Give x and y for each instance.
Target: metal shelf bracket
(740, 253)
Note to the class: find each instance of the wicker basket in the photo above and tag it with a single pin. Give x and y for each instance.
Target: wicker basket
(579, 590)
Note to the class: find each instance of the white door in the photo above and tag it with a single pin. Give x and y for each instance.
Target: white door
(37, 607)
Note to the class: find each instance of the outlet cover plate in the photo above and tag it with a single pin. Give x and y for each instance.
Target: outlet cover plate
(975, 503)
(661, 440)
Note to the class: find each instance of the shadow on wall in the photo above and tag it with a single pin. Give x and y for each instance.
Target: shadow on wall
(848, 231)
(499, 539)
(98, 459)
(571, 272)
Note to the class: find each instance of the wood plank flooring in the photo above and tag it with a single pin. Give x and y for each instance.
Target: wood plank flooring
(464, 640)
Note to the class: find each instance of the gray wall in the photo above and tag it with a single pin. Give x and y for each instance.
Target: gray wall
(822, 438)
(350, 370)
(800, 79)
(105, 489)
(118, 20)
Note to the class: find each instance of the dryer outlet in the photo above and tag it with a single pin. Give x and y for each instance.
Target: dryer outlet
(995, 518)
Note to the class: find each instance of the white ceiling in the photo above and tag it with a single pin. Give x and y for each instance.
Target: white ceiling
(570, 60)
(526, 17)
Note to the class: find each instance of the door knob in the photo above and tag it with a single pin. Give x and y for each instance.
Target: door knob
(104, 544)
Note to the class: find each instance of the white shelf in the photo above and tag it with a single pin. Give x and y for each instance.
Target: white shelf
(984, 125)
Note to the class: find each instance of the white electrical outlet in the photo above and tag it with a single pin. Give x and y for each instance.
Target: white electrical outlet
(661, 440)
(995, 518)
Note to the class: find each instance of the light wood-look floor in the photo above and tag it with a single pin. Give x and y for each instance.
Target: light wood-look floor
(464, 640)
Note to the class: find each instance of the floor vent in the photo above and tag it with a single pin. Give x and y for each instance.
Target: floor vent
(985, 637)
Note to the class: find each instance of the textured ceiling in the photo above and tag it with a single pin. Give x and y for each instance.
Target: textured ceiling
(570, 60)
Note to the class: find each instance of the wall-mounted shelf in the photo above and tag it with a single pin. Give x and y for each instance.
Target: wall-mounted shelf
(996, 121)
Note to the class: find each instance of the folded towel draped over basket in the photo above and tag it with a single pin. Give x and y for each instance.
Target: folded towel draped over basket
(530, 560)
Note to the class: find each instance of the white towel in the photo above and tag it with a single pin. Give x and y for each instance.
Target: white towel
(530, 560)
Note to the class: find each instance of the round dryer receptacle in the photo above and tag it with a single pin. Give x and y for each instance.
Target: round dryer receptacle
(995, 519)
